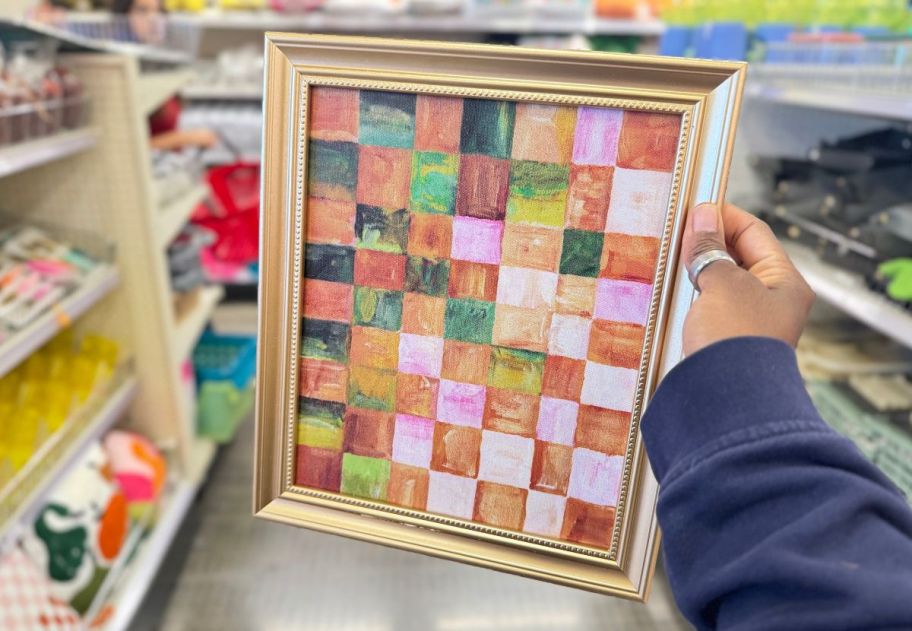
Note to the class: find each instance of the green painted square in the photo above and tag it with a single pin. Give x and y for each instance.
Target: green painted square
(538, 193)
(434, 180)
(516, 369)
(335, 263)
(365, 477)
(427, 276)
(387, 119)
(379, 308)
(323, 339)
(582, 253)
(372, 388)
(381, 229)
(320, 423)
(332, 170)
(469, 320)
(487, 127)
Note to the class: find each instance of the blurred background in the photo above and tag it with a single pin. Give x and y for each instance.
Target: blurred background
(130, 138)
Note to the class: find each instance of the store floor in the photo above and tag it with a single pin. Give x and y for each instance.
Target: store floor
(231, 572)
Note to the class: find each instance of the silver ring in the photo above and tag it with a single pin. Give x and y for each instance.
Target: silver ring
(705, 260)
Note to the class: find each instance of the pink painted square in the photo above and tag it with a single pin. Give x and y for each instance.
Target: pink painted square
(460, 403)
(622, 301)
(477, 240)
(595, 477)
(413, 440)
(609, 387)
(597, 133)
(420, 354)
(557, 420)
(569, 336)
(506, 459)
(544, 513)
(529, 288)
(639, 202)
(451, 495)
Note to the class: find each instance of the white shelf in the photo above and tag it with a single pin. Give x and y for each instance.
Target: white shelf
(190, 327)
(203, 92)
(154, 88)
(846, 101)
(23, 343)
(25, 155)
(203, 452)
(848, 292)
(175, 214)
(23, 496)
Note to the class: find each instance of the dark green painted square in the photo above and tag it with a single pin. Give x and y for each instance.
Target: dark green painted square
(332, 164)
(427, 276)
(469, 320)
(487, 127)
(582, 253)
(387, 119)
(334, 263)
(381, 229)
(379, 308)
(365, 477)
(323, 339)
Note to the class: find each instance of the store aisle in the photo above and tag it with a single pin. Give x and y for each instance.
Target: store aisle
(246, 574)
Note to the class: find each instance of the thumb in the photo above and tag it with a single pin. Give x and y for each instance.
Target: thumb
(704, 232)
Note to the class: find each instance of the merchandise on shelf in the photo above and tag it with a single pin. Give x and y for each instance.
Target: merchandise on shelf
(140, 470)
(238, 70)
(184, 258)
(175, 173)
(241, 124)
(225, 366)
(28, 598)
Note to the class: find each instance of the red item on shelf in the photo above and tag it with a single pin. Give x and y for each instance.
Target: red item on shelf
(234, 218)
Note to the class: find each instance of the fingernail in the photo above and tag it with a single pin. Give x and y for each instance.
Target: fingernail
(706, 219)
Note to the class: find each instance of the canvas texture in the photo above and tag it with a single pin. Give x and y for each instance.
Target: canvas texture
(477, 281)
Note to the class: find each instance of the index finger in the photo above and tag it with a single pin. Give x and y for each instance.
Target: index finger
(750, 239)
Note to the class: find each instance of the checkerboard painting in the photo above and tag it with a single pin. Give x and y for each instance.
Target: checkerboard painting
(478, 278)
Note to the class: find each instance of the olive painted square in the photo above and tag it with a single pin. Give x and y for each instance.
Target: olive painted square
(469, 320)
(365, 477)
(427, 276)
(381, 228)
(324, 339)
(582, 253)
(332, 170)
(380, 308)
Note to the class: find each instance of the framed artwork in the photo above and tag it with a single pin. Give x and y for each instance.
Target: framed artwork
(469, 290)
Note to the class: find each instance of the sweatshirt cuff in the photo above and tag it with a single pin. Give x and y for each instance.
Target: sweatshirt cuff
(728, 386)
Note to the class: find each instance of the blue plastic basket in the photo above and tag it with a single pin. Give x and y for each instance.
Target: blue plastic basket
(225, 358)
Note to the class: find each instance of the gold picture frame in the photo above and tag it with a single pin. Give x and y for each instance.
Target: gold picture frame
(707, 97)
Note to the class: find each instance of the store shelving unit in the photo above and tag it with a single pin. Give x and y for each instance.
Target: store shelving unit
(172, 217)
(202, 92)
(156, 87)
(846, 101)
(25, 155)
(190, 326)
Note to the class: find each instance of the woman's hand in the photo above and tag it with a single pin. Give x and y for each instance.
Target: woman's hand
(766, 296)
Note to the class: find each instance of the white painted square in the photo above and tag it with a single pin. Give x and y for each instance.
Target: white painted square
(530, 288)
(557, 420)
(451, 495)
(569, 336)
(506, 459)
(609, 387)
(544, 513)
(639, 202)
(595, 477)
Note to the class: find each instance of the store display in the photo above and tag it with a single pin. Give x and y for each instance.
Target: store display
(140, 470)
(225, 367)
(474, 306)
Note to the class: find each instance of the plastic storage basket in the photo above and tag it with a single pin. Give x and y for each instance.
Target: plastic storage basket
(225, 367)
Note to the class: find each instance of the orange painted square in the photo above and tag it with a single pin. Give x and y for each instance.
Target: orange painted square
(649, 141)
(438, 121)
(628, 257)
(383, 176)
(544, 133)
(423, 315)
(535, 247)
(408, 486)
(588, 197)
(456, 449)
(325, 300)
(588, 524)
(368, 433)
(334, 113)
(500, 505)
(323, 379)
(473, 280)
(330, 221)
(417, 395)
(551, 467)
(575, 295)
(375, 348)
(602, 430)
(430, 236)
(518, 327)
(379, 269)
(616, 343)
(317, 468)
(563, 377)
(465, 362)
(511, 412)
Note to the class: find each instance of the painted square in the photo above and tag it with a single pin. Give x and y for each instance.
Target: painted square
(511, 412)
(324, 339)
(538, 193)
(324, 300)
(430, 236)
(413, 440)
(639, 202)
(334, 263)
(375, 348)
(563, 377)
(622, 301)
(569, 336)
(420, 355)
(477, 240)
(322, 379)
(365, 477)
(588, 197)
(384, 177)
(330, 221)
(616, 343)
(318, 468)
(557, 421)
(473, 280)
(381, 270)
(461, 403)
(597, 132)
(334, 114)
(529, 288)
(605, 431)
(516, 369)
(433, 185)
(451, 495)
(465, 362)
(427, 276)
(422, 315)
(438, 121)
(487, 127)
(372, 388)
(484, 184)
(582, 253)
(649, 141)
(408, 486)
(469, 320)
(320, 423)
(381, 229)
(544, 514)
(536, 247)
(523, 328)
(417, 395)
(456, 449)
(595, 477)
(551, 467)
(575, 296)
(609, 387)
(333, 170)
(588, 524)
(626, 257)
(368, 433)
(378, 308)
(506, 459)
(500, 506)
(544, 133)
(387, 119)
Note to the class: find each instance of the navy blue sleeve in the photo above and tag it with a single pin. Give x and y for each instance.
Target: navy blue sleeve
(770, 519)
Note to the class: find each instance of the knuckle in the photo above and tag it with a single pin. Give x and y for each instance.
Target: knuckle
(704, 243)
